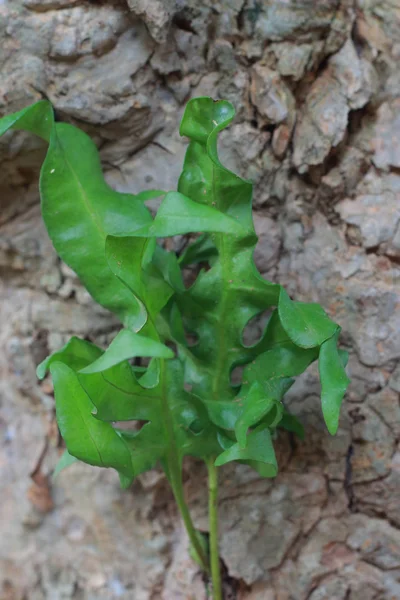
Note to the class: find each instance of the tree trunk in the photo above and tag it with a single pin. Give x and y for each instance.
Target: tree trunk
(317, 90)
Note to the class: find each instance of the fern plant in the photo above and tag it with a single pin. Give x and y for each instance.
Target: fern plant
(183, 403)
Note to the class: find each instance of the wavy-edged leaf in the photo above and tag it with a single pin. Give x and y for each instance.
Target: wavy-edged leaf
(255, 399)
(126, 258)
(76, 354)
(225, 297)
(86, 438)
(168, 266)
(201, 250)
(79, 209)
(147, 446)
(334, 382)
(260, 399)
(118, 395)
(223, 413)
(307, 325)
(37, 119)
(142, 283)
(178, 214)
(259, 453)
(150, 378)
(127, 345)
(257, 405)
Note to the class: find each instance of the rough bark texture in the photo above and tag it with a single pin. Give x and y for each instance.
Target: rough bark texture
(317, 90)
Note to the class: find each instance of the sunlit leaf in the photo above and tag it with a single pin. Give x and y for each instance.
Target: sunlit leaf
(80, 209)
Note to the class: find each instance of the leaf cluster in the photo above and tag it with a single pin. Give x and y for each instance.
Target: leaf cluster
(115, 412)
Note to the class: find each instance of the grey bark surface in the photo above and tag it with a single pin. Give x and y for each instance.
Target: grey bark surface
(317, 91)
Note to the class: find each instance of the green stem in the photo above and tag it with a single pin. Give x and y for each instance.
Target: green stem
(175, 476)
(213, 520)
(177, 489)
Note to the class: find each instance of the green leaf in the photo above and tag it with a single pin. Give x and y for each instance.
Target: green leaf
(178, 214)
(259, 451)
(76, 354)
(176, 329)
(274, 388)
(125, 481)
(292, 424)
(203, 116)
(152, 442)
(285, 361)
(86, 438)
(222, 413)
(109, 239)
(334, 382)
(126, 258)
(118, 395)
(201, 250)
(307, 325)
(65, 461)
(147, 446)
(225, 439)
(260, 398)
(224, 298)
(344, 356)
(37, 119)
(151, 375)
(168, 266)
(127, 345)
(80, 209)
(256, 406)
(149, 195)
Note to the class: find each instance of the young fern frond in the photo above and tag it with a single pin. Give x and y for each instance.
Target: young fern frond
(184, 402)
